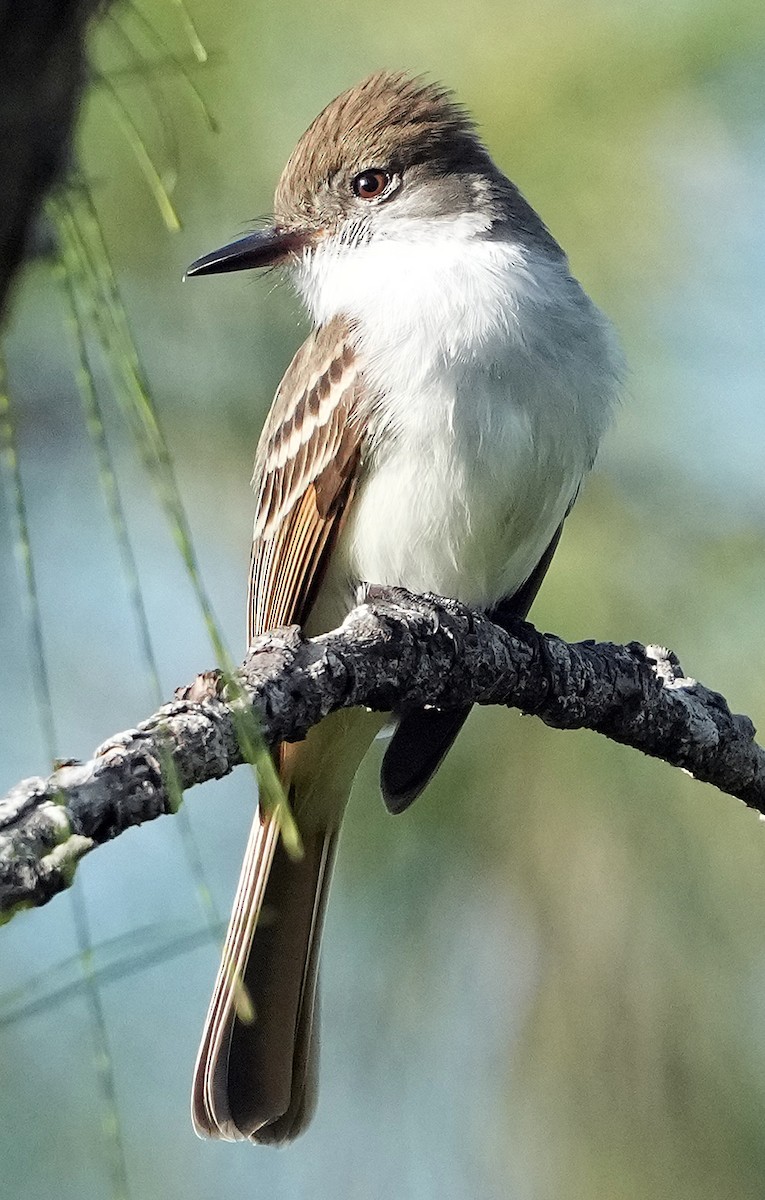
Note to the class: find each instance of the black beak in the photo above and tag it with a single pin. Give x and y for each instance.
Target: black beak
(266, 248)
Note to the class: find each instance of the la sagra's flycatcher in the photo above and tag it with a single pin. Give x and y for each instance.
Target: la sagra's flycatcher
(431, 433)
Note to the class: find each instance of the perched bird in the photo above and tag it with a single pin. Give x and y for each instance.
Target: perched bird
(431, 433)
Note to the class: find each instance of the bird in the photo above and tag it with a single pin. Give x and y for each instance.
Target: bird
(432, 434)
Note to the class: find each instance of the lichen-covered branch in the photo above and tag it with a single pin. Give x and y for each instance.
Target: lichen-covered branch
(395, 652)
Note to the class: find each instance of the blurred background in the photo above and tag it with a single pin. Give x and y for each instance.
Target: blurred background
(548, 978)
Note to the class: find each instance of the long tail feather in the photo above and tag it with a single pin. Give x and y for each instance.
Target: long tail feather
(256, 1063)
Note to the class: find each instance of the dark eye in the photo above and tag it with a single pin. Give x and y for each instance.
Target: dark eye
(370, 184)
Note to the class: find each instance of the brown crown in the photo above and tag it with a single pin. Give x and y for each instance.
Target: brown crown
(389, 120)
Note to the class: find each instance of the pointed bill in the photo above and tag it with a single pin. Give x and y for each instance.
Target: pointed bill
(263, 248)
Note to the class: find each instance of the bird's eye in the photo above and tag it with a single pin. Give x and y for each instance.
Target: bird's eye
(370, 184)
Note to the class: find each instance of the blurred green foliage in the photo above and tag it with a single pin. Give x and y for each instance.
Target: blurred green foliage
(547, 979)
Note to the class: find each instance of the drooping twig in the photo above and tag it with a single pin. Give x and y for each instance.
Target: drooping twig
(395, 652)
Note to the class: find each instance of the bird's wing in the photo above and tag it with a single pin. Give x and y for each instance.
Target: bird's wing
(306, 471)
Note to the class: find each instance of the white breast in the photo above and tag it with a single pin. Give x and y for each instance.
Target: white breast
(495, 376)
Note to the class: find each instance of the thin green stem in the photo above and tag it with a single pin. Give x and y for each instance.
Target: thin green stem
(107, 475)
(151, 84)
(156, 40)
(87, 258)
(150, 173)
(190, 30)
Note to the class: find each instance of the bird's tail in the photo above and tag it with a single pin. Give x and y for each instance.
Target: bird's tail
(255, 1074)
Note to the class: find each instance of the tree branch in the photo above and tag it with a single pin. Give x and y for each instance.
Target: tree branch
(395, 652)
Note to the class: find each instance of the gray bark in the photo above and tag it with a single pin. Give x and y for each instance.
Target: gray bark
(393, 653)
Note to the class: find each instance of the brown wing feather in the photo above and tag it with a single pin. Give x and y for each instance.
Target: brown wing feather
(305, 472)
